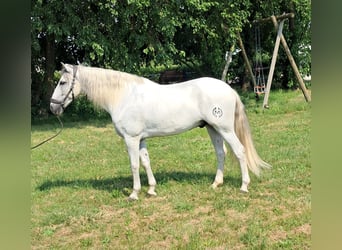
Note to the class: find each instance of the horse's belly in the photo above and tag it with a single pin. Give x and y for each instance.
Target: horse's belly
(161, 122)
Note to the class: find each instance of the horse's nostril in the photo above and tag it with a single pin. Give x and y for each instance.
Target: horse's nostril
(56, 109)
(52, 107)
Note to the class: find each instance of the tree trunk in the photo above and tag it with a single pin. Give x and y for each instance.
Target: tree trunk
(246, 81)
(49, 67)
(228, 61)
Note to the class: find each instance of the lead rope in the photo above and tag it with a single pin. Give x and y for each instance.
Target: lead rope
(36, 146)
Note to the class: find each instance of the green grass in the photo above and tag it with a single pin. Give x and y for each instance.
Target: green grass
(81, 180)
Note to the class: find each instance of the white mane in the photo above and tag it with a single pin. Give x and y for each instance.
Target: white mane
(105, 86)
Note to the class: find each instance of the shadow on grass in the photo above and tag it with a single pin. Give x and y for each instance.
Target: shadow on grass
(53, 124)
(122, 183)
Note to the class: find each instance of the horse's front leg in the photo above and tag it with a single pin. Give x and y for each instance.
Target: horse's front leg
(132, 144)
(145, 161)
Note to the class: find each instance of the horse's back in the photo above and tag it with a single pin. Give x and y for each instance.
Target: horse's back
(212, 90)
(206, 85)
(210, 86)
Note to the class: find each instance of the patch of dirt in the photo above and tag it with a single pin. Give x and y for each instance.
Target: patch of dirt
(278, 235)
(303, 229)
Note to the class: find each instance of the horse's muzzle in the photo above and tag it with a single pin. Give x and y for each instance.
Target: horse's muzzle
(56, 109)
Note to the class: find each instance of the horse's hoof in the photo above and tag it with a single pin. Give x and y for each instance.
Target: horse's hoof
(215, 185)
(152, 193)
(133, 197)
(244, 187)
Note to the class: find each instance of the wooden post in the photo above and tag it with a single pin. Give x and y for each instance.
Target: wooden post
(293, 64)
(244, 54)
(279, 18)
(228, 61)
(273, 62)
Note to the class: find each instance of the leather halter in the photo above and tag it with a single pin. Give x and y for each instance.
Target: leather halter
(71, 90)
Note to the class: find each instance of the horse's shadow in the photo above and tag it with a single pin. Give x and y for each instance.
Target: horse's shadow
(124, 182)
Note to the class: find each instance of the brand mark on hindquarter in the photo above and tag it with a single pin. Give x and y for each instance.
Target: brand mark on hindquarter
(217, 112)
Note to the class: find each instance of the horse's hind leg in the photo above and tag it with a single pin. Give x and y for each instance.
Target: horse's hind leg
(239, 151)
(221, 151)
(145, 161)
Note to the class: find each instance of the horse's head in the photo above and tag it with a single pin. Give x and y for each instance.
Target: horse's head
(67, 89)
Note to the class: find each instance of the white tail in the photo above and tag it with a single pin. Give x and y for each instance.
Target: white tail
(243, 132)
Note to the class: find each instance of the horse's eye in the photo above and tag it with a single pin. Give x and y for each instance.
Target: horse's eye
(62, 83)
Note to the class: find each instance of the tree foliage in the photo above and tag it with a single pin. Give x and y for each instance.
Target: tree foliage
(135, 35)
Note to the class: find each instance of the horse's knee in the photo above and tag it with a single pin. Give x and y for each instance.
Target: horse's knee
(144, 158)
(135, 168)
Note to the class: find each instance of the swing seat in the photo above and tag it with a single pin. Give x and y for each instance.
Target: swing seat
(260, 89)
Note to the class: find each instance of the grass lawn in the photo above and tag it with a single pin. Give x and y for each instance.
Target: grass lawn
(81, 180)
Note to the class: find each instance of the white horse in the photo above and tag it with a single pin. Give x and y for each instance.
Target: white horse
(141, 109)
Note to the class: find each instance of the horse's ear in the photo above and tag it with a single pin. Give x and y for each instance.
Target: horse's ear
(66, 68)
